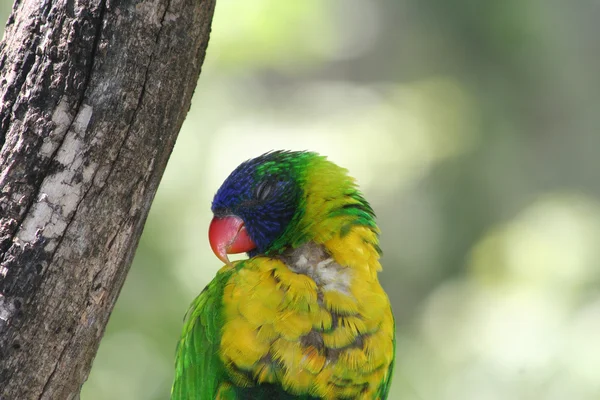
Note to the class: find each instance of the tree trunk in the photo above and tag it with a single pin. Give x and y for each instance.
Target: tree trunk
(93, 93)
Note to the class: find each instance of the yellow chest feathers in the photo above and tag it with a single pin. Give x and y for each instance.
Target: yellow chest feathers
(316, 320)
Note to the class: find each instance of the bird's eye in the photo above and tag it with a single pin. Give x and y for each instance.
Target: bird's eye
(263, 190)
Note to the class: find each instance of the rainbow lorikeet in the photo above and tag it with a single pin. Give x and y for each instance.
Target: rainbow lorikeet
(305, 316)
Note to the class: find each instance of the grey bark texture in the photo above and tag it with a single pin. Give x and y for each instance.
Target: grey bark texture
(92, 96)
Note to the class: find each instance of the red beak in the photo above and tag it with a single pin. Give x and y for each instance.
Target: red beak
(228, 235)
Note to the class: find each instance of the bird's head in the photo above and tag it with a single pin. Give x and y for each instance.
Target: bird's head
(283, 199)
(258, 203)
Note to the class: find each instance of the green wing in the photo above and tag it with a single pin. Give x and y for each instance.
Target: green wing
(198, 368)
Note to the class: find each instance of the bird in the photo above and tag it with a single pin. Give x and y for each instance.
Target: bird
(304, 316)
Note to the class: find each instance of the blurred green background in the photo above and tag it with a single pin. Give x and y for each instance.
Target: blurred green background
(472, 127)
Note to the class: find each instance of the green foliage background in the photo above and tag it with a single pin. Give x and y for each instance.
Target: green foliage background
(472, 128)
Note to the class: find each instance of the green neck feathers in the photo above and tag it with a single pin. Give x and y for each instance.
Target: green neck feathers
(330, 203)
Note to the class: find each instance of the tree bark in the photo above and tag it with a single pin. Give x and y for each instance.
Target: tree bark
(93, 94)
